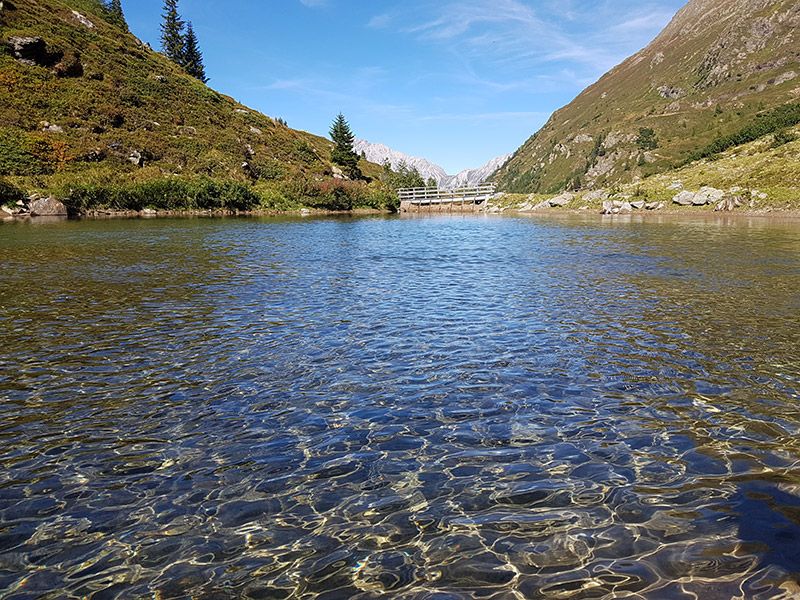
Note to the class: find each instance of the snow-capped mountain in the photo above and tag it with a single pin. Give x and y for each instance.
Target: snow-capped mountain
(477, 176)
(379, 153)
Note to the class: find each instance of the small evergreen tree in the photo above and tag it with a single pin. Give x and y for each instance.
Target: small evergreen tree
(172, 39)
(116, 15)
(647, 139)
(343, 154)
(192, 57)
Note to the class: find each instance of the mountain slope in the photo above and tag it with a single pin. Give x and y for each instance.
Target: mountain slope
(84, 104)
(715, 66)
(379, 153)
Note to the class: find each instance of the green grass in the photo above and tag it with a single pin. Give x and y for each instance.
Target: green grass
(195, 140)
(776, 120)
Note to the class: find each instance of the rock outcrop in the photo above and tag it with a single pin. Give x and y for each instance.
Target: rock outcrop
(33, 51)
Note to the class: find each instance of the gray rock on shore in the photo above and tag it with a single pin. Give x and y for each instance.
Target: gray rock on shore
(47, 207)
(706, 195)
(561, 200)
(728, 204)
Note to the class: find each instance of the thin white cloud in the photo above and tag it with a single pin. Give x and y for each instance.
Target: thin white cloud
(380, 21)
(593, 36)
(313, 3)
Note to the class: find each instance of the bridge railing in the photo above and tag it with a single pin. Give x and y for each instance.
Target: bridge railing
(477, 193)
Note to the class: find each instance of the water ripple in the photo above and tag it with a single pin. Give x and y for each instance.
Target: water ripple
(404, 408)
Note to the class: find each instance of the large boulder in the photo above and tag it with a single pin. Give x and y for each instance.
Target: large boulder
(5, 213)
(684, 198)
(708, 195)
(47, 207)
(561, 200)
(33, 51)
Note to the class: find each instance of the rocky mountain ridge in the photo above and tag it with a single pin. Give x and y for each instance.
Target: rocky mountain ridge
(379, 153)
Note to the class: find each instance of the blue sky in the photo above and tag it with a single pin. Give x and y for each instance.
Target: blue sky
(457, 82)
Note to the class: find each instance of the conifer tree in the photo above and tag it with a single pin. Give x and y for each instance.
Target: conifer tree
(192, 57)
(116, 15)
(343, 154)
(172, 39)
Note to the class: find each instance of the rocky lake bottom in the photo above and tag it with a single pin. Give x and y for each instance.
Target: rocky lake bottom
(417, 408)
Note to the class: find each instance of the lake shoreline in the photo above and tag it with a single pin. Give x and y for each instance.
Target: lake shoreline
(771, 213)
(775, 213)
(158, 214)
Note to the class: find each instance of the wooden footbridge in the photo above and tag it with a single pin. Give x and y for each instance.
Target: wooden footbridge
(432, 199)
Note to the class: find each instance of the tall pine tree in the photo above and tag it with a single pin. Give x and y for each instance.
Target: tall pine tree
(172, 39)
(342, 153)
(116, 16)
(192, 57)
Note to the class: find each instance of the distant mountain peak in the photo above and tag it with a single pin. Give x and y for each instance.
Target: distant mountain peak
(380, 153)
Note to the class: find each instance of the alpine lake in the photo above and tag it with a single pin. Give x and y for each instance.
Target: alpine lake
(428, 408)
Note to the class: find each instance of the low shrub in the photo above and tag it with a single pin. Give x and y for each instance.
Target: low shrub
(782, 138)
(162, 194)
(778, 119)
(10, 194)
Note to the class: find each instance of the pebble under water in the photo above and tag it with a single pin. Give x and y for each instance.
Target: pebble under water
(426, 408)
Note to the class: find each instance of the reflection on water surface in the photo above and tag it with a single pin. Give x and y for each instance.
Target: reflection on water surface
(409, 408)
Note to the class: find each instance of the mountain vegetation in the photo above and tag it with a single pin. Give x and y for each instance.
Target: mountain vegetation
(343, 154)
(92, 115)
(723, 73)
(179, 42)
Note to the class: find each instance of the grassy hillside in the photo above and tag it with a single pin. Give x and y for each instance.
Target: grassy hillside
(762, 174)
(103, 119)
(714, 69)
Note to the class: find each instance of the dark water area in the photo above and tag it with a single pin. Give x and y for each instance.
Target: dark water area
(440, 408)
